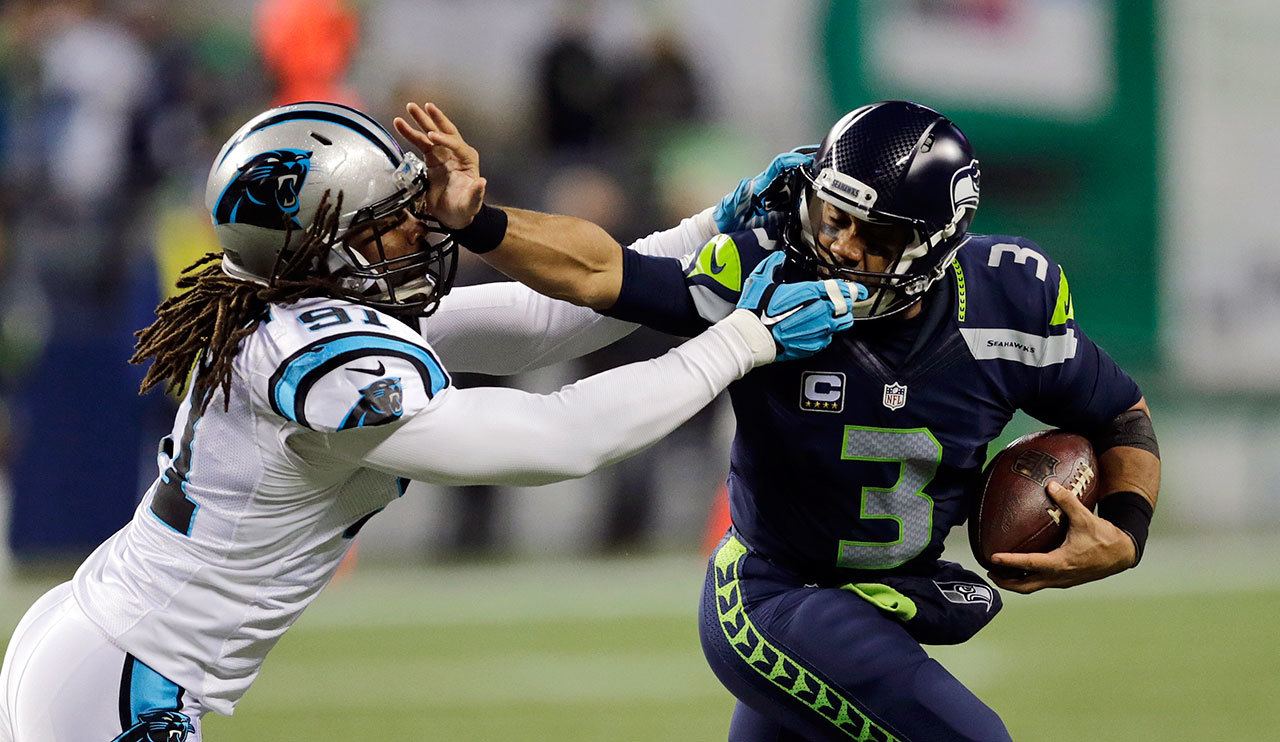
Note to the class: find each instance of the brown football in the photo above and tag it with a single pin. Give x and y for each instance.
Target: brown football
(1012, 512)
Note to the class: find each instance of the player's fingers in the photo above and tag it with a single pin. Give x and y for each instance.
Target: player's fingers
(457, 146)
(455, 143)
(441, 121)
(433, 154)
(421, 117)
(445, 157)
(416, 136)
(1024, 585)
(1028, 562)
(765, 270)
(1066, 499)
(839, 299)
(442, 159)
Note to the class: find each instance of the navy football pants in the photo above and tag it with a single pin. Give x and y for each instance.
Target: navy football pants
(824, 663)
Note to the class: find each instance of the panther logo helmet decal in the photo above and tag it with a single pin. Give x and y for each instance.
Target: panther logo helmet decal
(265, 190)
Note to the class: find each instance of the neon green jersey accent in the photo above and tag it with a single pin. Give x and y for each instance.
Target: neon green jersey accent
(720, 261)
(885, 598)
(962, 299)
(1065, 309)
(778, 668)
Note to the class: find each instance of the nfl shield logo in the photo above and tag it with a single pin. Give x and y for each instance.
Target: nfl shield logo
(1037, 466)
(895, 396)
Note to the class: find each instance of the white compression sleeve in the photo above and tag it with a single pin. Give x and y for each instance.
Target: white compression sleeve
(506, 328)
(682, 239)
(505, 436)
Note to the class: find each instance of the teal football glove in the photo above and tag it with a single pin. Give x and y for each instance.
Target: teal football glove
(741, 209)
(803, 316)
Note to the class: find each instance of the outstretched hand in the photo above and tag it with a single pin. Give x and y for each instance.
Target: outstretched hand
(741, 209)
(455, 190)
(802, 316)
(1093, 549)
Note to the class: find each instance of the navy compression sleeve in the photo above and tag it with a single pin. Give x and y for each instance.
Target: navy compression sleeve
(654, 294)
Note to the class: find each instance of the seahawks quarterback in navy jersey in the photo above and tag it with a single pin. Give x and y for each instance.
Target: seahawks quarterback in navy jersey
(912, 402)
(849, 468)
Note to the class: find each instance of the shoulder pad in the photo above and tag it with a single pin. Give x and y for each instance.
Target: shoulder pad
(715, 273)
(331, 365)
(1014, 302)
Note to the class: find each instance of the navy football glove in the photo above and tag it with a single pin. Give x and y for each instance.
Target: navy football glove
(742, 209)
(801, 317)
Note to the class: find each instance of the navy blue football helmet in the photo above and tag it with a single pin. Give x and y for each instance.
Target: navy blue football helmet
(897, 164)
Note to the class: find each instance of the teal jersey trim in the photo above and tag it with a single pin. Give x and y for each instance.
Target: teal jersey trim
(147, 690)
(295, 377)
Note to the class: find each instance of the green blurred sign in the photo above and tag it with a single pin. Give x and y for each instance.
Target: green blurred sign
(1059, 100)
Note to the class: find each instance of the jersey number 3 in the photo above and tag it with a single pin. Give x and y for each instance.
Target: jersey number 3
(918, 455)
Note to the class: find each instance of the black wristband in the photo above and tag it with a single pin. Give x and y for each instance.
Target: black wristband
(1131, 513)
(485, 232)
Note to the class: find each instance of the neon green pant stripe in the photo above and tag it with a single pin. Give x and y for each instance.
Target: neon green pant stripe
(775, 666)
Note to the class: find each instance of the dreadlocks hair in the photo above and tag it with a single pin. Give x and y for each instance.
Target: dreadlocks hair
(208, 320)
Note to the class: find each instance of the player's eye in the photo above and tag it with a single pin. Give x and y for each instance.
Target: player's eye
(885, 240)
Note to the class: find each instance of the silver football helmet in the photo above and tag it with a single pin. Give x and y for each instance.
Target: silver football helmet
(269, 178)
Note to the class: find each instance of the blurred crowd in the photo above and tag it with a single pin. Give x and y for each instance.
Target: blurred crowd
(111, 111)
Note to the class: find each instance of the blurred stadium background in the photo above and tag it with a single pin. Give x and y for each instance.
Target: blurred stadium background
(1133, 139)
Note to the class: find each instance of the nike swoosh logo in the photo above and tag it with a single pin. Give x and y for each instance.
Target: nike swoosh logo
(379, 371)
(716, 266)
(769, 320)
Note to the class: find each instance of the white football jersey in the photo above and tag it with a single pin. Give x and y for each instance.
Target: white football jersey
(257, 502)
(239, 532)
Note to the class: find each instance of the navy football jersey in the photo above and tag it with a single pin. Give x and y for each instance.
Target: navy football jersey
(862, 457)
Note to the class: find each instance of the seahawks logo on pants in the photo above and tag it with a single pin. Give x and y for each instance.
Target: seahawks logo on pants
(265, 191)
(380, 402)
(158, 726)
(965, 592)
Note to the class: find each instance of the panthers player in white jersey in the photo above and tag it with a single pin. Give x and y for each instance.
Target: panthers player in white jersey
(312, 402)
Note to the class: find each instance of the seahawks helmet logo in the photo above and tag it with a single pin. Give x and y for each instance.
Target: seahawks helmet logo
(158, 726)
(380, 402)
(964, 188)
(265, 191)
